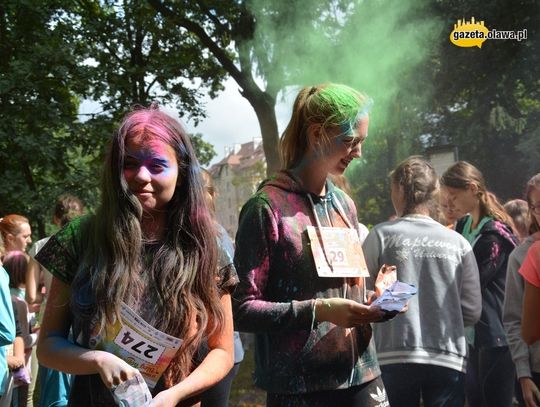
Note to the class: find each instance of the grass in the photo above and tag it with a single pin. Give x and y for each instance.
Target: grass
(243, 392)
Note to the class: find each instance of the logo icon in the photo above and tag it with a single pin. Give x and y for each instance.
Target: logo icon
(469, 33)
(380, 397)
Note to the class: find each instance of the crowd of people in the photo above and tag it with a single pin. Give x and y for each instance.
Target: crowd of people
(141, 302)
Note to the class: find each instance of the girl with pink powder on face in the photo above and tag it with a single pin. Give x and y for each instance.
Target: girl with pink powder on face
(313, 335)
(151, 247)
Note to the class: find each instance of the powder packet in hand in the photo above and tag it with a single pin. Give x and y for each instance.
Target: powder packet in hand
(395, 297)
(21, 376)
(385, 278)
(132, 393)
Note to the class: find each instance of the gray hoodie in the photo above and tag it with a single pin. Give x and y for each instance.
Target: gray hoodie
(526, 358)
(441, 264)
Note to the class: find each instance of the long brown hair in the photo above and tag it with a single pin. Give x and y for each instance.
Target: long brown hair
(461, 175)
(534, 183)
(180, 269)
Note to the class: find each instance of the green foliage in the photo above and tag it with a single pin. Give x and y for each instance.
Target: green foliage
(484, 101)
(427, 91)
(53, 54)
(39, 134)
(205, 151)
(134, 56)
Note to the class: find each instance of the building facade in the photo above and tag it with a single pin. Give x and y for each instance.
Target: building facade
(236, 178)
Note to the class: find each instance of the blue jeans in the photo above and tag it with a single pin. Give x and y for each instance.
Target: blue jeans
(490, 377)
(438, 386)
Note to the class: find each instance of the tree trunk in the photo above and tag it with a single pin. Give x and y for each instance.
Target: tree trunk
(262, 102)
(264, 107)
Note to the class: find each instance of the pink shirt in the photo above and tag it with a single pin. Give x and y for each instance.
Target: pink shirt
(530, 269)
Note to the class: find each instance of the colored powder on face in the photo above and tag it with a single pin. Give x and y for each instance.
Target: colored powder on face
(154, 159)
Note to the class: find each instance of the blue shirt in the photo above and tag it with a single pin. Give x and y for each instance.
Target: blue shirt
(7, 325)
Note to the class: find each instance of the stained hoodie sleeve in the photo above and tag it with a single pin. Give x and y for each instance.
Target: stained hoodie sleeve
(492, 256)
(513, 305)
(256, 239)
(471, 295)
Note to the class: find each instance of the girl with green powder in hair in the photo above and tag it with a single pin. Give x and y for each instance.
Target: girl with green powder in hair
(297, 237)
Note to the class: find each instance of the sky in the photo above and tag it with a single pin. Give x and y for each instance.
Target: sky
(231, 119)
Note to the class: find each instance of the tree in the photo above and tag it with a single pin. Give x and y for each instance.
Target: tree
(267, 46)
(487, 101)
(227, 22)
(41, 140)
(134, 57)
(205, 151)
(483, 101)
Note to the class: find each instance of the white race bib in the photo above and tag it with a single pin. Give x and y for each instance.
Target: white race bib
(138, 343)
(337, 252)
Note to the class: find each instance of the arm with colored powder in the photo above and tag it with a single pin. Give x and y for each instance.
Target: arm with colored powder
(215, 366)
(256, 240)
(55, 351)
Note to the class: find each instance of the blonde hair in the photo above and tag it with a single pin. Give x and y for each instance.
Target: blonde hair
(329, 105)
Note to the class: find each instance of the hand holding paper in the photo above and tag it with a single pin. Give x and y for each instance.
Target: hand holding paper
(395, 297)
(385, 278)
